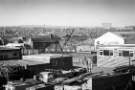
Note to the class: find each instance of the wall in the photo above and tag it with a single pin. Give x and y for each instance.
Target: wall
(10, 54)
(117, 59)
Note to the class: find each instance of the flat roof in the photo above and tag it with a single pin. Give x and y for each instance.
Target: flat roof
(32, 59)
(21, 62)
(44, 57)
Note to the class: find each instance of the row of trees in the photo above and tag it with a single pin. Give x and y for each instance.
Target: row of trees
(32, 31)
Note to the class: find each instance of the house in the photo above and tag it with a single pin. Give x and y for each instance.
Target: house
(8, 53)
(43, 41)
(109, 38)
(115, 49)
(115, 55)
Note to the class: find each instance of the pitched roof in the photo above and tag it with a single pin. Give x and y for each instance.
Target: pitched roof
(129, 37)
(110, 34)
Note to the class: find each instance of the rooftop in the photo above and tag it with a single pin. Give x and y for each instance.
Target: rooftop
(8, 48)
(33, 59)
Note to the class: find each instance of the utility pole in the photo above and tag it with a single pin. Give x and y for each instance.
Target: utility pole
(129, 61)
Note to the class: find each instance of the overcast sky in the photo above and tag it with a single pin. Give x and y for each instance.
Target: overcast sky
(67, 12)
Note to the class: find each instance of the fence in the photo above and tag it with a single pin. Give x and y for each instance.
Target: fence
(30, 51)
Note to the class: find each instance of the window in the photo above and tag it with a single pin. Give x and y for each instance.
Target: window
(101, 52)
(14, 54)
(131, 53)
(1, 57)
(106, 52)
(120, 52)
(126, 53)
(111, 52)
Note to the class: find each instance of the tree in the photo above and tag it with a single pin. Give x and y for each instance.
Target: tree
(20, 41)
(1, 42)
(89, 58)
(68, 36)
(66, 39)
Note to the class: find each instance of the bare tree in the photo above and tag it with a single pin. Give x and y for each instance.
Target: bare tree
(89, 58)
(69, 33)
(67, 38)
(92, 36)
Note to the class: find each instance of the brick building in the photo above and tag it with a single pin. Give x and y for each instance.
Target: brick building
(8, 53)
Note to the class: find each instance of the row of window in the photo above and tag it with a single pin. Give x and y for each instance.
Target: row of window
(125, 53)
(8, 56)
(106, 52)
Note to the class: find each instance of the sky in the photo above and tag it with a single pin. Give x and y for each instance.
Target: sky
(67, 12)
